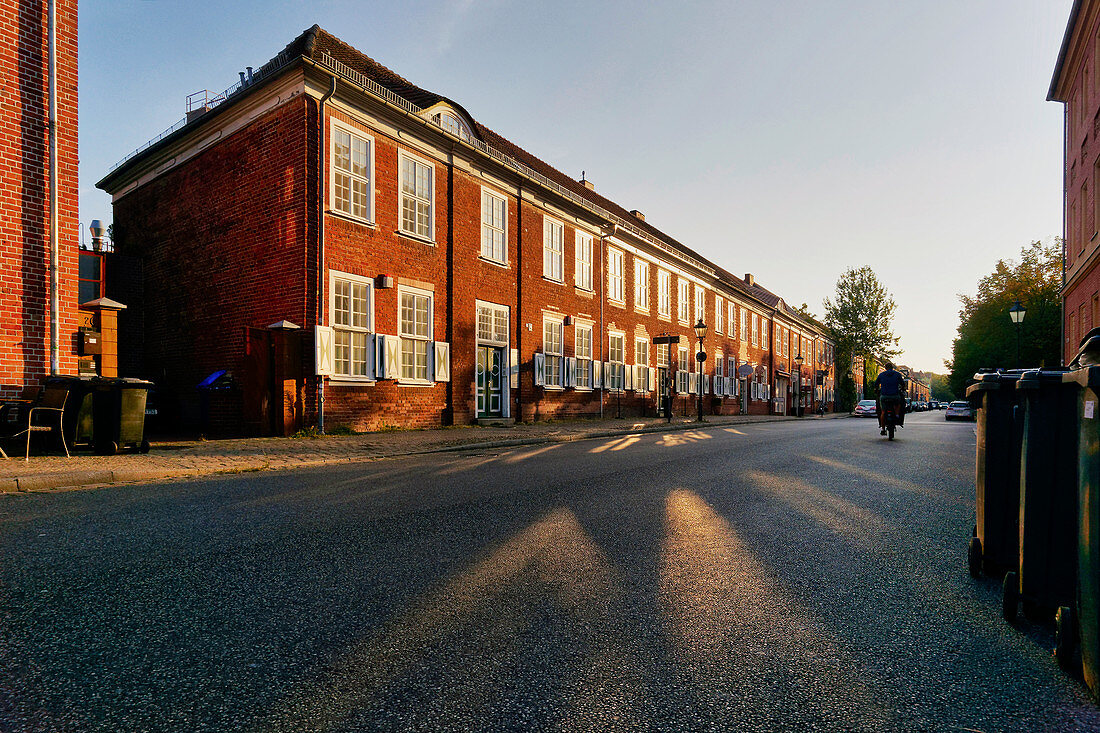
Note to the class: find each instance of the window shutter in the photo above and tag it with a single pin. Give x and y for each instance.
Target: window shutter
(513, 369)
(539, 363)
(442, 361)
(652, 380)
(597, 374)
(390, 355)
(569, 378)
(692, 376)
(628, 376)
(322, 351)
(609, 371)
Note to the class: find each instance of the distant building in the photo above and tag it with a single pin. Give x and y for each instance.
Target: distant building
(349, 246)
(1076, 83)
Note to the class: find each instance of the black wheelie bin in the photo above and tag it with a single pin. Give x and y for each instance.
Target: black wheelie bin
(1045, 577)
(119, 415)
(994, 548)
(76, 420)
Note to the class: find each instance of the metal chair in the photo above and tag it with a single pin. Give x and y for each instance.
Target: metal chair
(51, 403)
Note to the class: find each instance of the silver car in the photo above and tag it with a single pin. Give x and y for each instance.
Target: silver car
(959, 410)
(866, 408)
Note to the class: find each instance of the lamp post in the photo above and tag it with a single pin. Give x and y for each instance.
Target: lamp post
(1017, 312)
(701, 356)
(798, 392)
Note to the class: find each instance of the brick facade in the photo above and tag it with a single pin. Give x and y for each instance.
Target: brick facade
(228, 232)
(24, 192)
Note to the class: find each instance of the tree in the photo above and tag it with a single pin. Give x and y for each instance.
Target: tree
(987, 336)
(859, 318)
(941, 388)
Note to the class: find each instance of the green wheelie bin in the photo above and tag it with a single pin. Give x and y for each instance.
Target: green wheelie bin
(994, 546)
(119, 415)
(1045, 576)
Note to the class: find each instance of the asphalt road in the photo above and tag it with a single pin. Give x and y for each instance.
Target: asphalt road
(782, 576)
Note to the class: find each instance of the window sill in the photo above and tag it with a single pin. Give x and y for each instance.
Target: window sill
(415, 237)
(353, 219)
(495, 263)
(553, 388)
(415, 383)
(643, 311)
(352, 381)
(549, 279)
(619, 303)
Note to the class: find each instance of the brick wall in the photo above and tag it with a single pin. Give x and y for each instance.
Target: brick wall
(223, 239)
(24, 191)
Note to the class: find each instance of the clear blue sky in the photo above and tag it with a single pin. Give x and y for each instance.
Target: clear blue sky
(786, 139)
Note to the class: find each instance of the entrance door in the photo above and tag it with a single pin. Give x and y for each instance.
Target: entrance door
(490, 388)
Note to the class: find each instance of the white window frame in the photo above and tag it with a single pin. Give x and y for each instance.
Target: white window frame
(333, 277)
(494, 310)
(616, 265)
(641, 284)
(765, 329)
(583, 355)
(549, 354)
(700, 303)
(416, 160)
(641, 381)
(755, 329)
(683, 300)
(369, 139)
(744, 324)
(732, 319)
(664, 293)
(583, 247)
(488, 228)
(550, 255)
(402, 336)
(615, 379)
(719, 310)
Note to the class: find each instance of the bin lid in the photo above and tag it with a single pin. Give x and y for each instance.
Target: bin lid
(1085, 376)
(1036, 377)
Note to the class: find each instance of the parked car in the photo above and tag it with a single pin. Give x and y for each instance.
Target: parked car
(866, 408)
(959, 410)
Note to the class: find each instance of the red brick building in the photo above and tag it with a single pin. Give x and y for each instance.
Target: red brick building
(25, 186)
(349, 246)
(1076, 84)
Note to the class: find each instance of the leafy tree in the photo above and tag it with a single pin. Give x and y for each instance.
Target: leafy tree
(859, 318)
(987, 336)
(941, 388)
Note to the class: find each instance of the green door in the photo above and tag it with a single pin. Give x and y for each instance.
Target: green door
(490, 394)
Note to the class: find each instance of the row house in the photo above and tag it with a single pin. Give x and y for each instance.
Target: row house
(1076, 84)
(343, 247)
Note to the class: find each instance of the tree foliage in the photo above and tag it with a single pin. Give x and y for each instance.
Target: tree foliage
(861, 313)
(987, 336)
(859, 318)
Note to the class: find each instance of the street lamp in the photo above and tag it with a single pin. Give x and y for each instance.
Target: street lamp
(701, 356)
(798, 393)
(1017, 312)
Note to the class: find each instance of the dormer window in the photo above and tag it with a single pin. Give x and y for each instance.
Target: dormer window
(452, 124)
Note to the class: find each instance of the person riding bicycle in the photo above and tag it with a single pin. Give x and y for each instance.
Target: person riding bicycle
(891, 394)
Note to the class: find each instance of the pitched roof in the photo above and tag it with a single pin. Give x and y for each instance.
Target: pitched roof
(315, 42)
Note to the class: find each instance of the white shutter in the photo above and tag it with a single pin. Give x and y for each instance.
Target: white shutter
(442, 361)
(628, 375)
(652, 379)
(513, 369)
(692, 382)
(569, 378)
(608, 371)
(539, 365)
(390, 354)
(597, 375)
(322, 351)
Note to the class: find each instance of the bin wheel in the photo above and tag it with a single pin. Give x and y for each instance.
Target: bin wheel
(974, 557)
(1037, 612)
(1010, 598)
(144, 447)
(1065, 638)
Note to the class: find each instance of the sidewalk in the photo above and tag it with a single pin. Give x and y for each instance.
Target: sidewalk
(188, 459)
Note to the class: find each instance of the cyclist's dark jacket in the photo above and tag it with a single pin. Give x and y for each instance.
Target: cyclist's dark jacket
(890, 383)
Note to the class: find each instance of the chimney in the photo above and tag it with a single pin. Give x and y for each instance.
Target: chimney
(587, 183)
(749, 279)
(637, 215)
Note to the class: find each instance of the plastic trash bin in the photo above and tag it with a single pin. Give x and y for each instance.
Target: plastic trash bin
(994, 546)
(1046, 575)
(78, 419)
(119, 415)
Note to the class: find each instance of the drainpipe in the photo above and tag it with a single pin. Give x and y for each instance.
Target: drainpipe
(321, 241)
(517, 317)
(55, 284)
